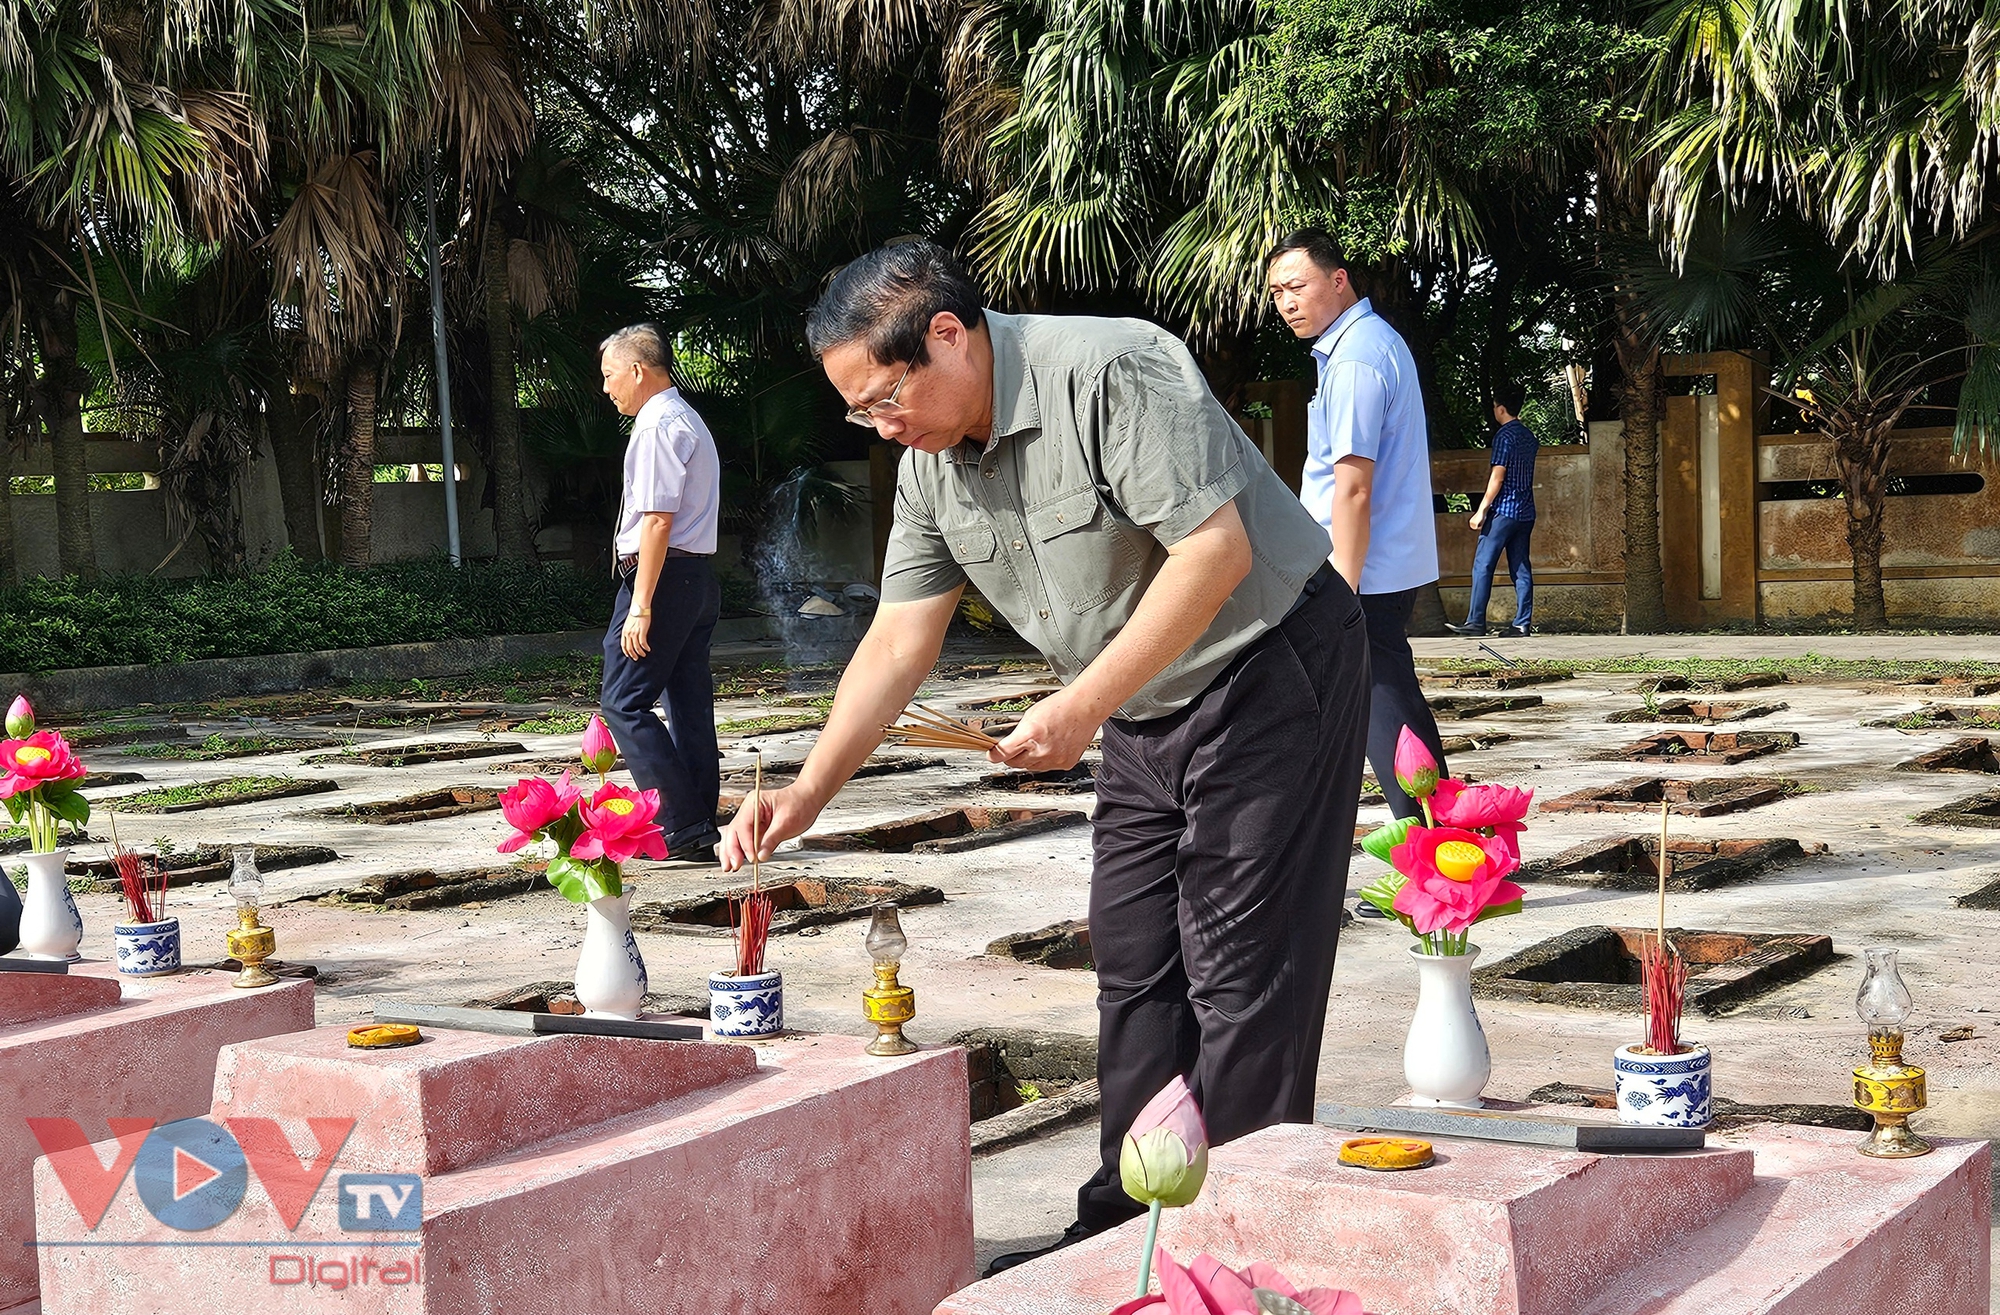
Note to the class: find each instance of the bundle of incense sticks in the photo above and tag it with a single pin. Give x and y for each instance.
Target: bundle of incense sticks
(1662, 969)
(754, 931)
(926, 729)
(143, 884)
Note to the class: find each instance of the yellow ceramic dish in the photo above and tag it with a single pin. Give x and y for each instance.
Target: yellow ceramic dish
(383, 1036)
(1386, 1153)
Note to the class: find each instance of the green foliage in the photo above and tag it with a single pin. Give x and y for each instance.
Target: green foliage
(290, 608)
(580, 882)
(199, 792)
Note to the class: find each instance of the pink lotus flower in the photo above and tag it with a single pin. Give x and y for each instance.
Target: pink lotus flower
(1471, 807)
(20, 718)
(1452, 876)
(1416, 768)
(36, 761)
(618, 823)
(532, 805)
(600, 751)
(1165, 1154)
(1208, 1287)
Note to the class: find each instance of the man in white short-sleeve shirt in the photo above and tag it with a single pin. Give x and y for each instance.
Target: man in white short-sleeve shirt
(656, 651)
(1367, 480)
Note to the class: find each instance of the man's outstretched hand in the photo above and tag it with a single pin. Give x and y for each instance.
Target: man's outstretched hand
(1051, 737)
(781, 815)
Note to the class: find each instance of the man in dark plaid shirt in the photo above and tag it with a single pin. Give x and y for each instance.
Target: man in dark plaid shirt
(1505, 518)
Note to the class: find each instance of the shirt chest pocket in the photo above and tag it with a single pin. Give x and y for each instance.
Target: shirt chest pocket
(1087, 557)
(971, 545)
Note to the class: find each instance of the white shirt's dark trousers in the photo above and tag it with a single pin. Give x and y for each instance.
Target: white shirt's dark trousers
(677, 756)
(1220, 851)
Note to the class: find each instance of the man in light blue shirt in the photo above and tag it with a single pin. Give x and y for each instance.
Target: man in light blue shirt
(1367, 479)
(656, 651)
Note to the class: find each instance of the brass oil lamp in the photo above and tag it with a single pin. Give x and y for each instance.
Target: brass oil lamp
(1886, 1087)
(888, 1004)
(250, 942)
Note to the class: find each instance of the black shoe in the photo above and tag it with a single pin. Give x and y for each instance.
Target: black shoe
(702, 854)
(1366, 910)
(1072, 1235)
(1467, 629)
(1517, 632)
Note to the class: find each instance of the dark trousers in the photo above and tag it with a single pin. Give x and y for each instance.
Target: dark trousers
(1219, 862)
(676, 757)
(1397, 699)
(1503, 532)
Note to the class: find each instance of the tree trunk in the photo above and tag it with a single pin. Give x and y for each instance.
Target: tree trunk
(10, 573)
(62, 385)
(357, 481)
(1864, 471)
(292, 449)
(1639, 406)
(510, 518)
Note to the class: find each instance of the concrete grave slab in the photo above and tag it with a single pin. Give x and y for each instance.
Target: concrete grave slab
(1464, 707)
(795, 904)
(416, 755)
(1945, 716)
(1698, 711)
(1986, 897)
(1495, 677)
(253, 790)
(1974, 753)
(1474, 741)
(1598, 967)
(1632, 862)
(1060, 945)
(1080, 779)
(1726, 747)
(422, 888)
(1674, 683)
(202, 862)
(1697, 798)
(424, 806)
(948, 831)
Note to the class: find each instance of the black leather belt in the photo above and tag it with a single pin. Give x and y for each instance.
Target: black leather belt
(1321, 578)
(630, 563)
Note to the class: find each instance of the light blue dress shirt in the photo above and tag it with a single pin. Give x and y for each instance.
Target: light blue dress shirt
(671, 465)
(1370, 405)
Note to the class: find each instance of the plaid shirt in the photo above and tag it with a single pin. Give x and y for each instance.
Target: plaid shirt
(1514, 447)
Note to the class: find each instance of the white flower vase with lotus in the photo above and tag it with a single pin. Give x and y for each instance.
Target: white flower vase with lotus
(592, 838)
(38, 784)
(1448, 871)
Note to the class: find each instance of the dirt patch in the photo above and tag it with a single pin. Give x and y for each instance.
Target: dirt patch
(1464, 707)
(1975, 810)
(1062, 945)
(1632, 863)
(795, 905)
(415, 755)
(1598, 968)
(1974, 753)
(1986, 897)
(1080, 779)
(948, 831)
(1495, 677)
(1945, 716)
(425, 889)
(1697, 711)
(226, 792)
(1708, 798)
(454, 801)
(1675, 683)
(1717, 746)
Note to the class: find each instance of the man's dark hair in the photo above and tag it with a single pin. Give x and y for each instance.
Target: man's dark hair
(1317, 243)
(645, 342)
(1510, 397)
(886, 300)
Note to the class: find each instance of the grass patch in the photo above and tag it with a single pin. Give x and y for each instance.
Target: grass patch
(200, 792)
(290, 607)
(224, 746)
(784, 721)
(541, 680)
(558, 721)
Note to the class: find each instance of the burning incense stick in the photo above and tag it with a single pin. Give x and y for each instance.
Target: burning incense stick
(1663, 970)
(755, 930)
(925, 728)
(144, 886)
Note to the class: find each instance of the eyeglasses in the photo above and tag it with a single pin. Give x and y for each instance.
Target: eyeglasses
(888, 406)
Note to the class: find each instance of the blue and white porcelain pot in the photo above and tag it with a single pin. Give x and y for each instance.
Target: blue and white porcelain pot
(148, 949)
(743, 1007)
(1663, 1091)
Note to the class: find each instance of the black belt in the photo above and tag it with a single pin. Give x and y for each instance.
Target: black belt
(630, 563)
(1321, 578)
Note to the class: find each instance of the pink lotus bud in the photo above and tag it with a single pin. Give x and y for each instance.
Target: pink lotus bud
(20, 718)
(1165, 1155)
(600, 751)
(1416, 769)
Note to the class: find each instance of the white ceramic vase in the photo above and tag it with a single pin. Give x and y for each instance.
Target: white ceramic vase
(1445, 1059)
(610, 973)
(1663, 1091)
(51, 927)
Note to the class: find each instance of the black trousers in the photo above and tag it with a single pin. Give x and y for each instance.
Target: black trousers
(1397, 699)
(1219, 862)
(676, 757)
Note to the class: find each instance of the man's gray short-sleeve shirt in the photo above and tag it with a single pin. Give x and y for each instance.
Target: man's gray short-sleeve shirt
(1107, 448)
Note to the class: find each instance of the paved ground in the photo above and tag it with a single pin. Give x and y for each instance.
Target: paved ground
(1882, 880)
